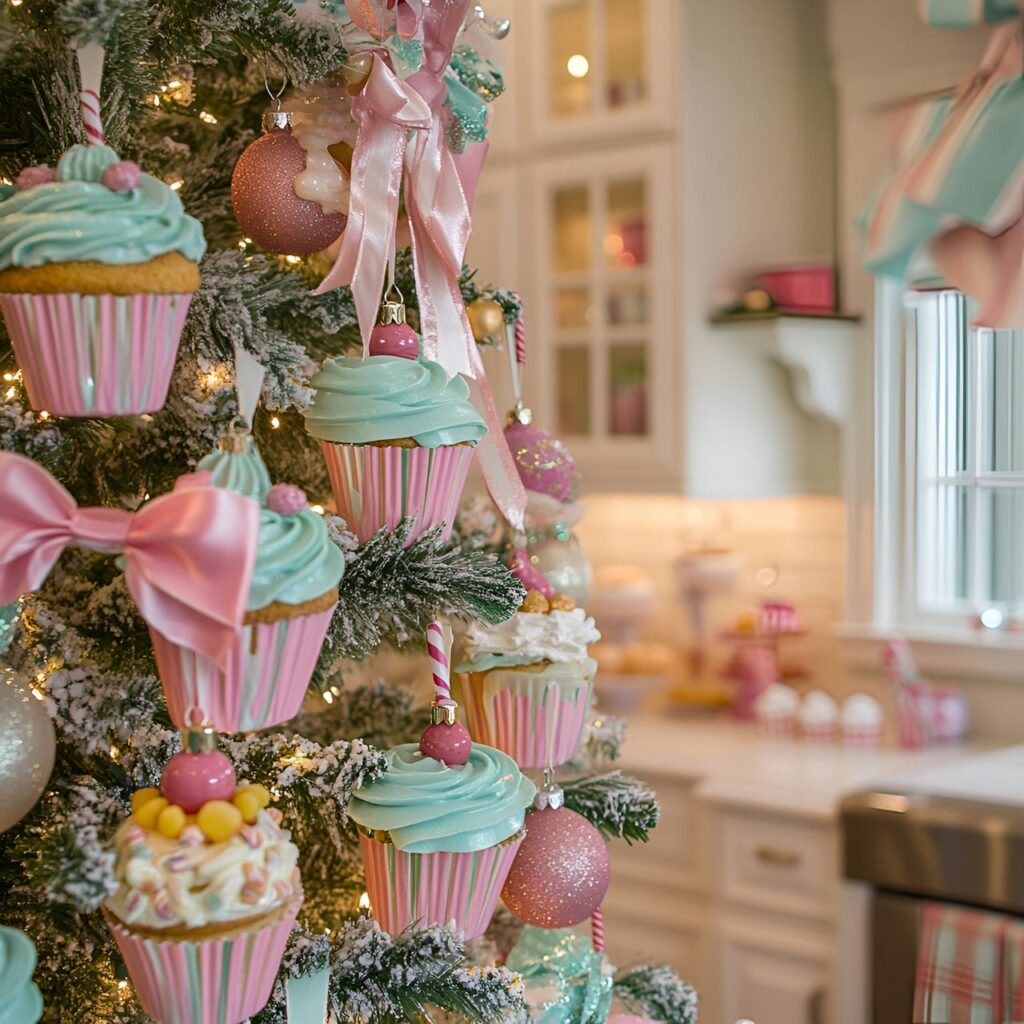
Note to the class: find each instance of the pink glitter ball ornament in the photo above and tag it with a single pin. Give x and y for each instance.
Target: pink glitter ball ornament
(561, 872)
(39, 174)
(266, 205)
(286, 499)
(122, 176)
(189, 780)
(544, 465)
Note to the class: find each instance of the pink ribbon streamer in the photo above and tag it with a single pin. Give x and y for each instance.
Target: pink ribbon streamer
(385, 111)
(189, 555)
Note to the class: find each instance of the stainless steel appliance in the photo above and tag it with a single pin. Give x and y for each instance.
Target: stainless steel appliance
(915, 847)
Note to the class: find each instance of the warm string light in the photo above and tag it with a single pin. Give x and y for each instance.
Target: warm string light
(318, 509)
(364, 901)
(293, 260)
(205, 115)
(176, 185)
(275, 422)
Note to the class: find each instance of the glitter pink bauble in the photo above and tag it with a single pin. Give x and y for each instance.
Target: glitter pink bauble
(39, 174)
(122, 176)
(189, 780)
(394, 340)
(286, 499)
(266, 206)
(561, 872)
(544, 465)
(448, 743)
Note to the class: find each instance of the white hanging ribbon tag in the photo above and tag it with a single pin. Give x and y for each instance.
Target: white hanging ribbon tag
(249, 374)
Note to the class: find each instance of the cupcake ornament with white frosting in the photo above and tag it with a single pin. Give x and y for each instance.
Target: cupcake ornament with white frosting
(777, 710)
(861, 721)
(819, 714)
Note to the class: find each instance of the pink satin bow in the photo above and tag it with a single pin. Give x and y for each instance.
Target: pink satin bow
(385, 111)
(189, 555)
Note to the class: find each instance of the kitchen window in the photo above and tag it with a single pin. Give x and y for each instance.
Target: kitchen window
(963, 506)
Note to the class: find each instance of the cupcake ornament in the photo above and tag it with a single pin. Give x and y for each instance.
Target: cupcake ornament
(98, 265)
(439, 831)
(396, 433)
(291, 599)
(208, 890)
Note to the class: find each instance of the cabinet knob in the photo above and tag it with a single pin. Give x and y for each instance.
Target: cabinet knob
(777, 857)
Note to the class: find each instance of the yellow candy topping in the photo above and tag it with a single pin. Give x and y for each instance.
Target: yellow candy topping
(171, 821)
(219, 820)
(143, 796)
(248, 803)
(148, 813)
(261, 792)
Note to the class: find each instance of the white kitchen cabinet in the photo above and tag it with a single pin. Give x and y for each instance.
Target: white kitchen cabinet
(638, 195)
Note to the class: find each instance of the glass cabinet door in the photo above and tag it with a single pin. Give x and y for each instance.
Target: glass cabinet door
(604, 228)
(596, 70)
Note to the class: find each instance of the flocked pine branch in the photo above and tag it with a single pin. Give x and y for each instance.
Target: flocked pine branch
(382, 714)
(657, 993)
(390, 592)
(616, 804)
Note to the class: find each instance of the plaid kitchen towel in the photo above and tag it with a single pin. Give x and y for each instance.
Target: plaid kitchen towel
(1013, 971)
(960, 966)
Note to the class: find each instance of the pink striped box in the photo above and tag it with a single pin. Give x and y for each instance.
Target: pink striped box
(96, 355)
(457, 889)
(262, 684)
(535, 715)
(375, 487)
(220, 980)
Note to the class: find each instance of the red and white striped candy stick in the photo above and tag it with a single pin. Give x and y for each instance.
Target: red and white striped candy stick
(597, 930)
(520, 334)
(439, 666)
(90, 65)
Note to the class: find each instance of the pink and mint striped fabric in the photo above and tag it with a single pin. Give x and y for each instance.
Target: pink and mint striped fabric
(262, 684)
(216, 981)
(461, 889)
(375, 487)
(96, 355)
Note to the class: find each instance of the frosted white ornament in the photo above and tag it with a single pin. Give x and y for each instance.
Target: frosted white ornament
(322, 117)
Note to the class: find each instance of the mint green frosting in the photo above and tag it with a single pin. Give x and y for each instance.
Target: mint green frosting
(78, 218)
(387, 397)
(20, 1001)
(428, 807)
(296, 560)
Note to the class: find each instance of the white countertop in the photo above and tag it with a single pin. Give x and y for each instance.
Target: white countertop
(732, 763)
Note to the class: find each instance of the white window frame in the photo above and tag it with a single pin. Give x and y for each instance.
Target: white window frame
(896, 604)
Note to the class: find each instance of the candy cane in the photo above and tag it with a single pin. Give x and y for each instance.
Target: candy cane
(439, 662)
(520, 334)
(597, 930)
(90, 66)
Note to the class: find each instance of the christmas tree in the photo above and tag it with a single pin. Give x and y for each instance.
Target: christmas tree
(162, 101)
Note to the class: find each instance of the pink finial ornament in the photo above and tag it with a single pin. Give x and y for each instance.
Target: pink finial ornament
(286, 499)
(199, 773)
(449, 743)
(39, 174)
(394, 340)
(122, 176)
(529, 575)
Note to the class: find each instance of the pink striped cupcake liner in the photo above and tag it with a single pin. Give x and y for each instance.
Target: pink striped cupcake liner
(375, 487)
(778, 726)
(819, 733)
(457, 889)
(868, 736)
(263, 682)
(214, 981)
(96, 355)
(537, 718)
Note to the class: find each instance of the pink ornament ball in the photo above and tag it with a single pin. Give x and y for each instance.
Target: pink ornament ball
(395, 340)
(286, 499)
(40, 174)
(561, 872)
(122, 176)
(448, 743)
(544, 465)
(189, 780)
(266, 206)
(529, 575)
